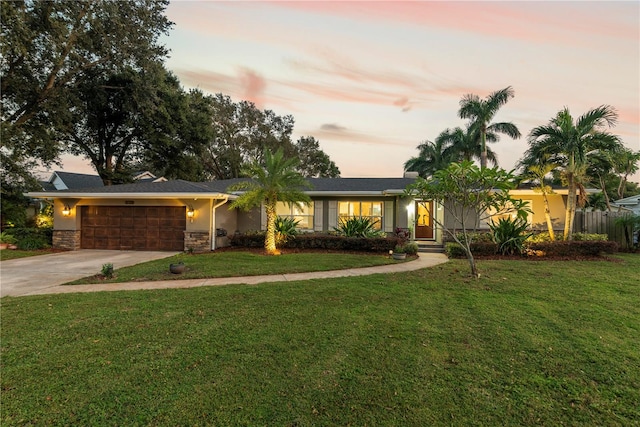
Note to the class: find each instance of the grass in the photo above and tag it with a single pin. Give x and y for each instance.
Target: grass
(531, 343)
(239, 263)
(7, 254)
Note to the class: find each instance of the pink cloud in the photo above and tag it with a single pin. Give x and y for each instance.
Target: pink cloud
(563, 22)
(253, 85)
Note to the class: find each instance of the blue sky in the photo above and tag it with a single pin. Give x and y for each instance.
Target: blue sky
(372, 80)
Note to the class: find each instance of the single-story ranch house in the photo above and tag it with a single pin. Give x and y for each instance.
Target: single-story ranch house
(178, 215)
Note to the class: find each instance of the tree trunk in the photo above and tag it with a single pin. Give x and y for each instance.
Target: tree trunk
(570, 212)
(547, 215)
(472, 261)
(483, 154)
(270, 238)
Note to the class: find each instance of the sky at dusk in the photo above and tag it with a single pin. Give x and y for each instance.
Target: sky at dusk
(372, 80)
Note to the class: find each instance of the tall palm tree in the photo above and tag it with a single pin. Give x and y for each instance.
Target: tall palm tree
(570, 144)
(275, 181)
(482, 111)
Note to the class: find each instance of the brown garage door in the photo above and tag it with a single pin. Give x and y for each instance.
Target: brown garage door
(151, 228)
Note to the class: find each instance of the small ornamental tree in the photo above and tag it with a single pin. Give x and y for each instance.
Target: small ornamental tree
(275, 181)
(469, 196)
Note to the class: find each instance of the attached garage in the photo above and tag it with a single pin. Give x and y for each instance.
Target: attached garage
(152, 228)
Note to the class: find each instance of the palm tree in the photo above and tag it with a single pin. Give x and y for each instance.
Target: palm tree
(482, 111)
(538, 173)
(452, 145)
(625, 164)
(431, 158)
(466, 145)
(570, 144)
(275, 181)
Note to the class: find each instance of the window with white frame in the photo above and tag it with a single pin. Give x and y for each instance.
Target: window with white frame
(371, 210)
(301, 213)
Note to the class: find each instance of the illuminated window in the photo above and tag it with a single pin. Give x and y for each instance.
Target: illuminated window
(303, 214)
(371, 210)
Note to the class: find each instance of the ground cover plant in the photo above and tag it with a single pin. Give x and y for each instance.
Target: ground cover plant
(244, 262)
(551, 343)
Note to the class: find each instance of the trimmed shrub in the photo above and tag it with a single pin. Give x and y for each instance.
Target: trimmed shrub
(411, 248)
(543, 236)
(575, 248)
(454, 250)
(321, 242)
(590, 237)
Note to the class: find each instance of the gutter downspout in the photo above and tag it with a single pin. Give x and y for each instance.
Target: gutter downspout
(213, 221)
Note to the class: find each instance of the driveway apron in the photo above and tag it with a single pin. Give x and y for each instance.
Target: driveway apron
(35, 274)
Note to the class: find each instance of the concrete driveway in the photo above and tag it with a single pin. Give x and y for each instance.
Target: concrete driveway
(24, 276)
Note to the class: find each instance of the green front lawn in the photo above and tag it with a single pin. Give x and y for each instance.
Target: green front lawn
(530, 343)
(239, 263)
(7, 254)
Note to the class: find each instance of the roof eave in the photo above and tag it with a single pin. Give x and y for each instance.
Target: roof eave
(80, 195)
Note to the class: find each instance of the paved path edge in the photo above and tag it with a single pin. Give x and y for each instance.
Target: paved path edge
(423, 261)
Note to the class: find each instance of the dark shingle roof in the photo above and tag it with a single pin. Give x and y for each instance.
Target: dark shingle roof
(175, 186)
(79, 180)
(333, 185)
(319, 185)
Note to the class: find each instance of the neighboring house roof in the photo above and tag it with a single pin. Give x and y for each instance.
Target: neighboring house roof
(632, 203)
(60, 180)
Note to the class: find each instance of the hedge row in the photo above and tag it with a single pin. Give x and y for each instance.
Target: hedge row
(454, 250)
(321, 242)
(576, 248)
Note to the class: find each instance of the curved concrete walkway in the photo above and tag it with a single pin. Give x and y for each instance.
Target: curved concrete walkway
(423, 261)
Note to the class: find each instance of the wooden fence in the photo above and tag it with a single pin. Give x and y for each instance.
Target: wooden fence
(600, 222)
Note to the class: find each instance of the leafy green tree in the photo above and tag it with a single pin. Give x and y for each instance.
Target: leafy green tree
(275, 180)
(49, 48)
(174, 134)
(570, 144)
(241, 134)
(482, 111)
(314, 163)
(117, 117)
(469, 195)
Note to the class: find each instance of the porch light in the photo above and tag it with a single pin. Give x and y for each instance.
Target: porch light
(190, 213)
(66, 210)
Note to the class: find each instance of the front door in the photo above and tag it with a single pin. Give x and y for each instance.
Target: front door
(424, 219)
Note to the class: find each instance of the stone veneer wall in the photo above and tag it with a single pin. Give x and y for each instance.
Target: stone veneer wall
(66, 239)
(198, 241)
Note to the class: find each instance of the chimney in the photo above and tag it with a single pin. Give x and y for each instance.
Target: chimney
(411, 174)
